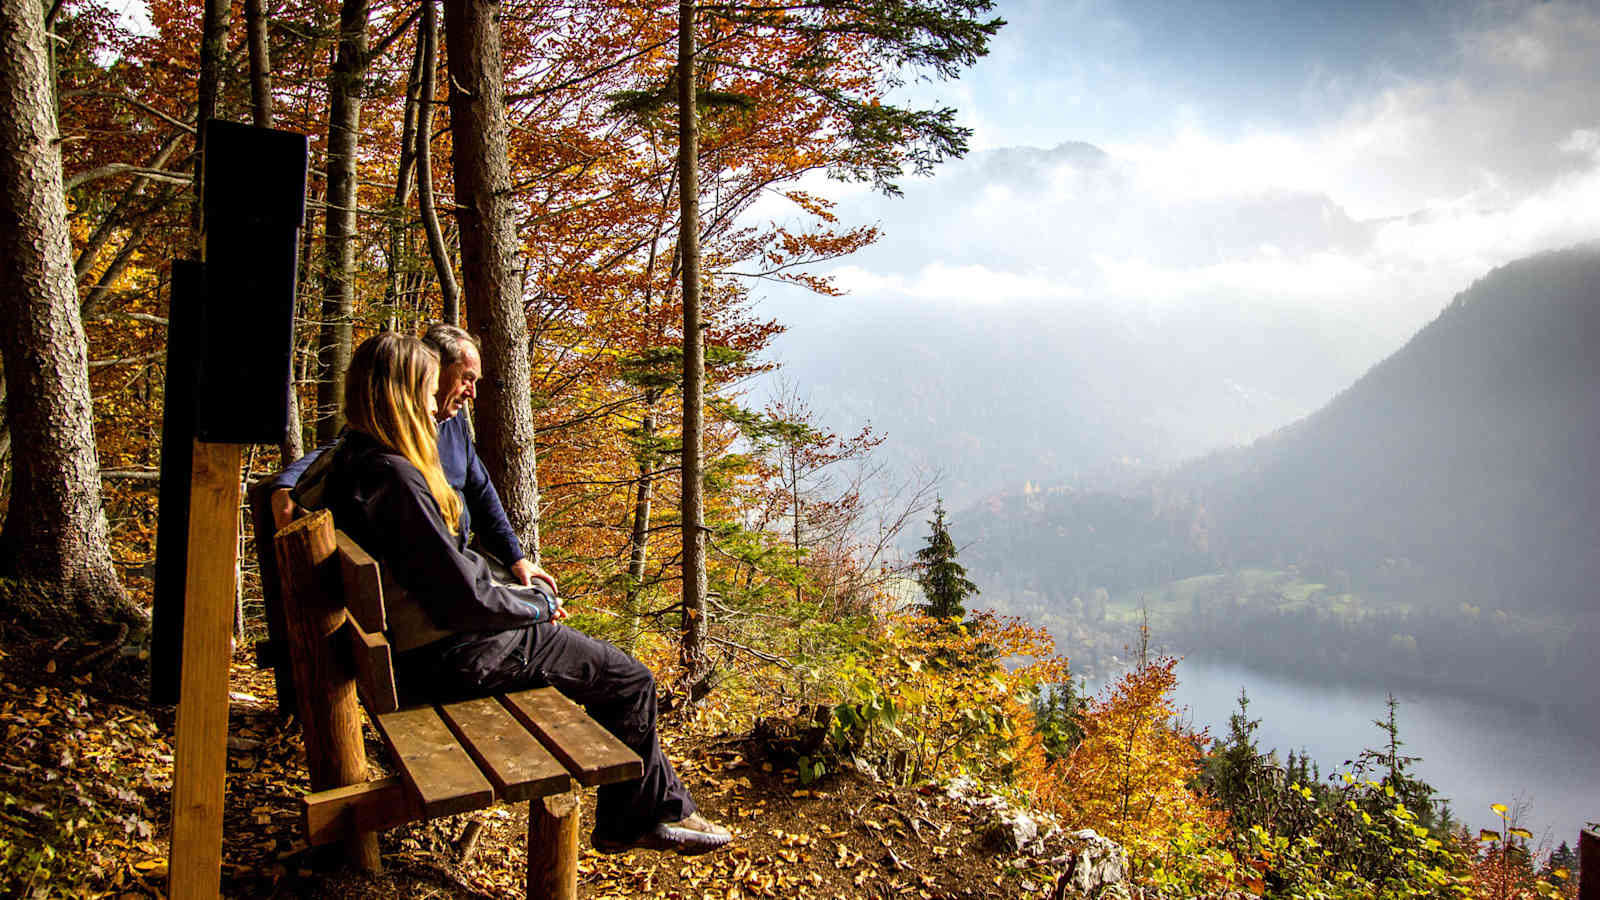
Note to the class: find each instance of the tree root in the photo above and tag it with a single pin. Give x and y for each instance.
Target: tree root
(92, 659)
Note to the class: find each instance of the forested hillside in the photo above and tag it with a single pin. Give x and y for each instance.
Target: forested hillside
(1454, 477)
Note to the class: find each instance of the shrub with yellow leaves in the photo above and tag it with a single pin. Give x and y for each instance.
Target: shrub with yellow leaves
(931, 698)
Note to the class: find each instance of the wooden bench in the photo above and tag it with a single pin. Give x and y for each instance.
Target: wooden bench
(533, 745)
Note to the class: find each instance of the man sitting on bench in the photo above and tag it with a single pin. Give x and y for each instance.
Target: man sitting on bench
(474, 633)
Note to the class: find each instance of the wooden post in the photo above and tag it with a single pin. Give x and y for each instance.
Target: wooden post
(330, 714)
(553, 847)
(1589, 864)
(201, 745)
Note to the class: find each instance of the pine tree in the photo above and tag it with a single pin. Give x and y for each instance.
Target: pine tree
(1237, 773)
(1057, 717)
(1416, 794)
(55, 527)
(944, 581)
(1563, 859)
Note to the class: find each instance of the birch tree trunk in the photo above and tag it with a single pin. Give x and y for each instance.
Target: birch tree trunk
(55, 526)
(490, 274)
(693, 634)
(339, 229)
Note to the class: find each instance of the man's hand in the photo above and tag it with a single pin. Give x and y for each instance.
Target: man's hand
(283, 508)
(525, 571)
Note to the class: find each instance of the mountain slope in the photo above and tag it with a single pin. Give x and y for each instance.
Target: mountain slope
(1463, 466)
(1469, 456)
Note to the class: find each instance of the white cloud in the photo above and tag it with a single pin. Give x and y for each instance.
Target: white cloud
(965, 283)
(1268, 275)
(1581, 140)
(1565, 213)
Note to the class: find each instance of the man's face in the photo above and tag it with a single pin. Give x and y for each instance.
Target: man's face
(458, 383)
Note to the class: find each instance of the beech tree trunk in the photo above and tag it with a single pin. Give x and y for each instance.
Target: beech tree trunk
(339, 229)
(693, 632)
(125, 212)
(490, 273)
(429, 39)
(55, 526)
(649, 459)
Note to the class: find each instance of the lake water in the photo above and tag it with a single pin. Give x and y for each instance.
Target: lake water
(1474, 752)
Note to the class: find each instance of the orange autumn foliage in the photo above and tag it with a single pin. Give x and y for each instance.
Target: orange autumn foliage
(1129, 778)
(596, 218)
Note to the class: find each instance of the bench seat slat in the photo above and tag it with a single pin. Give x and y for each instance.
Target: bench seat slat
(445, 778)
(594, 754)
(517, 764)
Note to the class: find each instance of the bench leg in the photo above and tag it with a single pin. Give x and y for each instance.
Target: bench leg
(553, 847)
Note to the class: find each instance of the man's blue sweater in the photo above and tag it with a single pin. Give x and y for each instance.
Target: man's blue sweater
(465, 472)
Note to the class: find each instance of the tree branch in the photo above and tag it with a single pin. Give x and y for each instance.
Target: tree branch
(110, 169)
(131, 101)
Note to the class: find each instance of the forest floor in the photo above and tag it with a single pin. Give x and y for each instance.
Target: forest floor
(85, 788)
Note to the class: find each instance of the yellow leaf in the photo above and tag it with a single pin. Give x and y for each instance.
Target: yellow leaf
(1499, 809)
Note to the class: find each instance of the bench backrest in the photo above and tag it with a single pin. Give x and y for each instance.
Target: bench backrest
(366, 621)
(361, 583)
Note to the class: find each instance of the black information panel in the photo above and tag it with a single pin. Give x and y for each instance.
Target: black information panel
(254, 206)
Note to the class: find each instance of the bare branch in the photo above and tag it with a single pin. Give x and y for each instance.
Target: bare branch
(131, 101)
(132, 474)
(110, 169)
(127, 360)
(764, 657)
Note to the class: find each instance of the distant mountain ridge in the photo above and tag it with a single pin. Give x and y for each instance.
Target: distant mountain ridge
(1469, 459)
(1471, 452)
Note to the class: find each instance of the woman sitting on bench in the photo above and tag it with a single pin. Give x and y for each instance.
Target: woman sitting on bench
(479, 634)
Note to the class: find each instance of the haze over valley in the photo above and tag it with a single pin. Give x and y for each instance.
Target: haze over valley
(1280, 327)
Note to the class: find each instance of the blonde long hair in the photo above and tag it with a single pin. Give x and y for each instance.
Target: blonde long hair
(386, 391)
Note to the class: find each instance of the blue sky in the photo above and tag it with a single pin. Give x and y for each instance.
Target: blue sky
(1127, 70)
